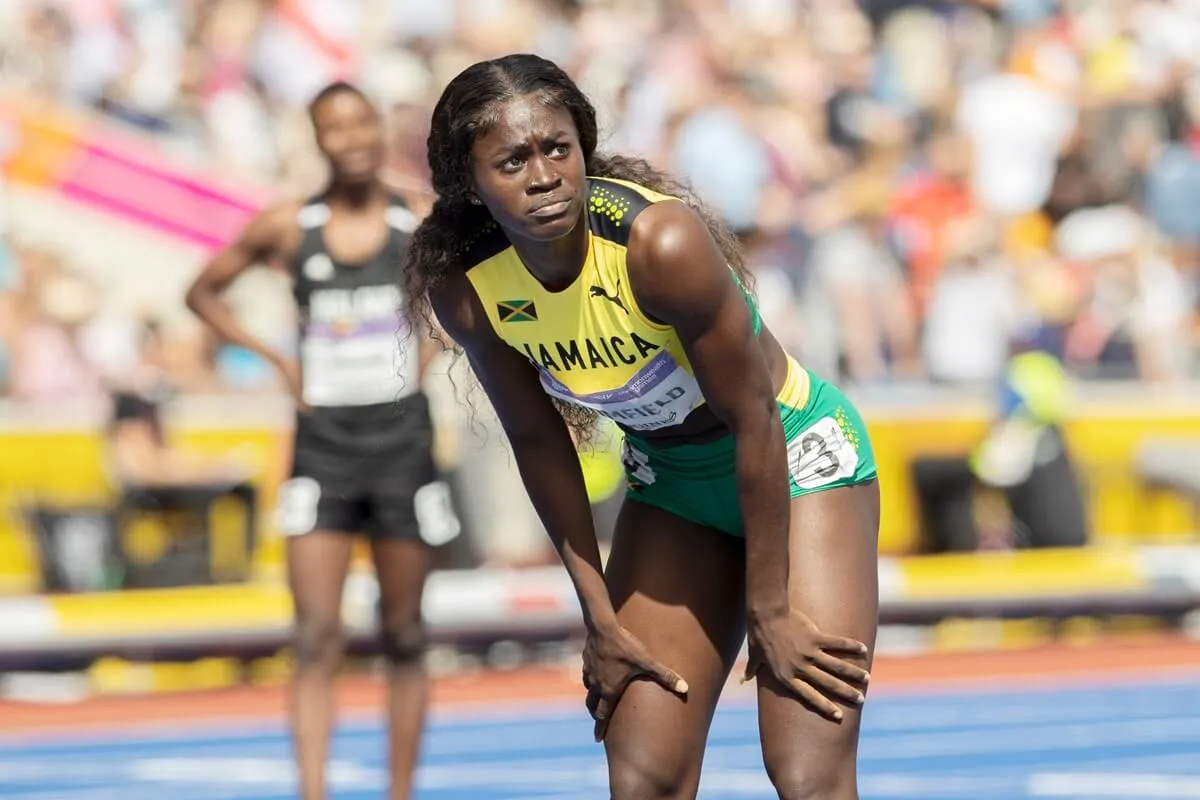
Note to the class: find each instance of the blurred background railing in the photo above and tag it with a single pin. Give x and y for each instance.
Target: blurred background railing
(978, 216)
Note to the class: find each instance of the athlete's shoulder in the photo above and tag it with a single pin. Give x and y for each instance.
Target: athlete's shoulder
(273, 228)
(282, 212)
(675, 265)
(400, 214)
(668, 231)
(629, 189)
(613, 206)
(484, 244)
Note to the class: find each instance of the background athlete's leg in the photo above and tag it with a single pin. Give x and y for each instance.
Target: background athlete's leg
(317, 565)
(402, 565)
(678, 587)
(834, 580)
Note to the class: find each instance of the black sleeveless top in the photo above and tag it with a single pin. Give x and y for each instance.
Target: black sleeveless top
(358, 353)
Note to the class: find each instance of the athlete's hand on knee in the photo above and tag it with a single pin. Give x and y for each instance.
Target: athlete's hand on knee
(611, 659)
(810, 663)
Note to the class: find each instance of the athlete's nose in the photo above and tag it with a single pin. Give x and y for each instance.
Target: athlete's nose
(543, 177)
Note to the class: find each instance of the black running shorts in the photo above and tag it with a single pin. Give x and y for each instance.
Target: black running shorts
(367, 470)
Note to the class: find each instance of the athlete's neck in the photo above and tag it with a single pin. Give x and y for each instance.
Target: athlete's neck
(556, 264)
(356, 196)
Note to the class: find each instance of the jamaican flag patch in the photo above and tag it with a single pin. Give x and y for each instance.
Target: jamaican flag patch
(517, 311)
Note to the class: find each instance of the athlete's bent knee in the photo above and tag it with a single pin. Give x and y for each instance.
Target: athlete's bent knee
(317, 643)
(404, 644)
(630, 780)
(801, 778)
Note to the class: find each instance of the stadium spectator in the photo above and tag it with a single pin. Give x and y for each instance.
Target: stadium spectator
(1019, 113)
(917, 183)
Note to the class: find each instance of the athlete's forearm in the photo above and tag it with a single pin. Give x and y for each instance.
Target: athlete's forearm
(765, 499)
(563, 507)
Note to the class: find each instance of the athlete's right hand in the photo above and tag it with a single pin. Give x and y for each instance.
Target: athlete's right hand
(612, 658)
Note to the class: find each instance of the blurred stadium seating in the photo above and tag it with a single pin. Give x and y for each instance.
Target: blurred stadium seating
(924, 189)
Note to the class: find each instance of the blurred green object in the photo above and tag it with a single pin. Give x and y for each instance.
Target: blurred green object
(1036, 384)
(603, 472)
(1033, 400)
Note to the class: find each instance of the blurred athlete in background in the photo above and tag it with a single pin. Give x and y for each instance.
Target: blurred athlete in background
(362, 460)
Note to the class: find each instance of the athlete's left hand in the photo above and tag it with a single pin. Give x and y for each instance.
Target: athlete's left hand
(802, 658)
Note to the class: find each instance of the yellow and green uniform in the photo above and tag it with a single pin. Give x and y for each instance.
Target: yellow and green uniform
(594, 347)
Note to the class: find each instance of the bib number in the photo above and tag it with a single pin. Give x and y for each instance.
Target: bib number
(637, 466)
(821, 455)
(662, 394)
(436, 521)
(362, 370)
(299, 498)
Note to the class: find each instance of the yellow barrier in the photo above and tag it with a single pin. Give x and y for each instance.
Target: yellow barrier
(66, 467)
(1103, 446)
(184, 609)
(1022, 573)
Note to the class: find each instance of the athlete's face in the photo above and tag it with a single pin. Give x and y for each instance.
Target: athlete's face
(528, 169)
(350, 134)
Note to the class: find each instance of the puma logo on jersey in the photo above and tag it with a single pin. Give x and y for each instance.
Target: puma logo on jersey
(614, 298)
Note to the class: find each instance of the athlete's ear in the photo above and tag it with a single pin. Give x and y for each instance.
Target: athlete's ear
(472, 195)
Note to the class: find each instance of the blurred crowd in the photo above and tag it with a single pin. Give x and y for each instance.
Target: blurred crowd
(59, 340)
(923, 186)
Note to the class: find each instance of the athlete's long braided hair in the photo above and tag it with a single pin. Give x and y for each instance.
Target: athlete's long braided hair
(466, 109)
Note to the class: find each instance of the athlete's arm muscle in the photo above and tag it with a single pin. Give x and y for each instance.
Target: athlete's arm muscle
(264, 239)
(542, 446)
(680, 278)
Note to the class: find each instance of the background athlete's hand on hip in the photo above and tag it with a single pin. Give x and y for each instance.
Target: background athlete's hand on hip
(611, 659)
(289, 370)
(803, 659)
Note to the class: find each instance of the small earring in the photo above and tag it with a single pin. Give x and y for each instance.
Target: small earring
(475, 201)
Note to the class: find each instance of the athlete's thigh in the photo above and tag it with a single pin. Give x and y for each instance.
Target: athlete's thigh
(318, 513)
(410, 513)
(401, 565)
(317, 563)
(679, 587)
(833, 579)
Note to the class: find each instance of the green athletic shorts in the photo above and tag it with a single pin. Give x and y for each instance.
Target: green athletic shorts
(827, 447)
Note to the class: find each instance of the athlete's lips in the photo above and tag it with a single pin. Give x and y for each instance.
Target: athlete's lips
(550, 206)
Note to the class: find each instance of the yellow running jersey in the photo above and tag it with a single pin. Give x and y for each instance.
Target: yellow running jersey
(591, 343)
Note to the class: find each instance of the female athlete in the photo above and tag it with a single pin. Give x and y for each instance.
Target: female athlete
(581, 281)
(362, 453)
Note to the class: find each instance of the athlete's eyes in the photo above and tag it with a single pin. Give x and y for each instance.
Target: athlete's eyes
(515, 163)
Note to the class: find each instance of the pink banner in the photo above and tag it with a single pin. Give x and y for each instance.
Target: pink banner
(125, 175)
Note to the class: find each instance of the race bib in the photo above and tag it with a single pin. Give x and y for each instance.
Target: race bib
(299, 500)
(436, 521)
(637, 466)
(660, 395)
(357, 350)
(821, 455)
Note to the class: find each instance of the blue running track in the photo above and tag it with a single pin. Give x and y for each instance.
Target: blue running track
(1133, 739)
